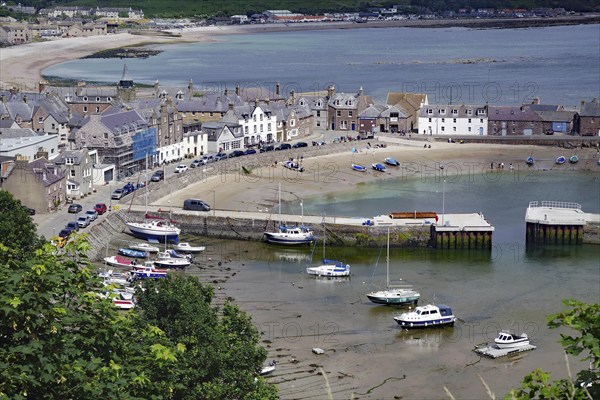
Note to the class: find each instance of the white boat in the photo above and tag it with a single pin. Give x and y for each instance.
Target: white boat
(291, 235)
(115, 278)
(329, 268)
(393, 295)
(157, 230)
(165, 260)
(506, 340)
(123, 304)
(269, 369)
(118, 261)
(144, 247)
(187, 248)
(426, 316)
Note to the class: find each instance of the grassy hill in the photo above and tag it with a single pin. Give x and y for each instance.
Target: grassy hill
(198, 8)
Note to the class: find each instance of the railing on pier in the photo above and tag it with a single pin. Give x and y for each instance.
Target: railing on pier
(555, 204)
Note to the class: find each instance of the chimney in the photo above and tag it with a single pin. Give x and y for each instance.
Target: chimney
(330, 91)
(80, 86)
(267, 101)
(42, 86)
(277, 89)
(360, 91)
(594, 100)
(237, 89)
(14, 90)
(190, 89)
(169, 102)
(256, 102)
(230, 106)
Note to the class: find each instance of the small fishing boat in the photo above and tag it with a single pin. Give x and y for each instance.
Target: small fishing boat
(391, 161)
(379, 167)
(146, 272)
(187, 248)
(166, 260)
(426, 316)
(115, 278)
(574, 159)
(269, 369)
(506, 340)
(132, 253)
(157, 230)
(358, 167)
(530, 160)
(290, 235)
(118, 261)
(330, 268)
(123, 304)
(144, 247)
(560, 160)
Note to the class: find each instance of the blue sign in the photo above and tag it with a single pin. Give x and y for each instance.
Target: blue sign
(144, 144)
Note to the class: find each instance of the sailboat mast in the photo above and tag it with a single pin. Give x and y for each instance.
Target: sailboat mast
(279, 206)
(387, 261)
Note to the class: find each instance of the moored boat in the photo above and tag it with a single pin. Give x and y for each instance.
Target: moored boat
(118, 261)
(379, 167)
(530, 160)
(132, 253)
(148, 272)
(290, 235)
(391, 161)
(426, 316)
(574, 159)
(560, 160)
(507, 340)
(123, 304)
(187, 248)
(166, 260)
(358, 167)
(156, 230)
(330, 268)
(144, 247)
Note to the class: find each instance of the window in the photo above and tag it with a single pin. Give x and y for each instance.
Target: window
(454, 120)
(40, 119)
(318, 123)
(69, 161)
(481, 120)
(254, 128)
(350, 113)
(97, 98)
(469, 112)
(254, 117)
(454, 129)
(261, 117)
(454, 112)
(85, 99)
(97, 109)
(269, 127)
(429, 119)
(246, 130)
(442, 111)
(469, 120)
(443, 128)
(210, 114)
(318, 113)
(261, 128)
(84, 109)
(429, 111)
(469, 129)
(338, 113)
(443, 120)
(72, 173)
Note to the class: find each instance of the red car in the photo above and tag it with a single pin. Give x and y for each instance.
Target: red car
(100, 208)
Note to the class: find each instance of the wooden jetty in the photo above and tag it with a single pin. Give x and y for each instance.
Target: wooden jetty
(493, 351)
(551, 222)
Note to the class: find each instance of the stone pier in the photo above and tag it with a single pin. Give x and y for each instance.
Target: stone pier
(560, 223)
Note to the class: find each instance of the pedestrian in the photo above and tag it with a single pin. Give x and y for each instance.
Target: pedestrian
(492, 165)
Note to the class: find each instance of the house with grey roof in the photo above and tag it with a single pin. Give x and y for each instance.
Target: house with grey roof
(344, 108)
(123, 139)
(453, 119)
(39, 184)
(78, 166)
(223, 136)
(316, 103)
(395, 119)
(370, 119)
(259, 123)
(587, 120)
(514, 120)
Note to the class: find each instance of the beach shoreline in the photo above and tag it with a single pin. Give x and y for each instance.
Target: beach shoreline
(22, 66)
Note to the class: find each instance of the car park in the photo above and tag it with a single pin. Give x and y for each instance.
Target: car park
(236, 153)
(157, 176)
(100, 208)
(180, 168)
(83, 221)
(73, 225)
(91, 214)
(283, 146)
(300, 144)
(196, 163)
(117, 194)
(249, 151)
(75, 208)
(195, 204)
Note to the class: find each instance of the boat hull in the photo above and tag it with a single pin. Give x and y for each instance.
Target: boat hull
(512, 345)
(153, 233)
(277, 238)
(439, 322)
(393, 300)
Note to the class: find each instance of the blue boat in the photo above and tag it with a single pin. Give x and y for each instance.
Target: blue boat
(391, 161)
(379, 167)
(530, 160)
(358, 167)
(560, 160)
(133, 253)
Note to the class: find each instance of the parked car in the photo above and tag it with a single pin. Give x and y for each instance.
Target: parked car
(100, 208)
(91, 214)
(269, 147)
(249, 151)
(118, 194)
(73, 225)
(300, 144)
(208, 159)
(220, 156)
(83, 221)
(128, 188)
(75, 208)
(195, 204)
(236, 153)
(196, 163)
(157, 176)
(28, 210)
(64, 233)
(180, 168)
(283, 146)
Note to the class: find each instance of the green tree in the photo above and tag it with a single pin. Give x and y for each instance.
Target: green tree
(18, 233)
(222, 358)
(60, 340)
(585, 319)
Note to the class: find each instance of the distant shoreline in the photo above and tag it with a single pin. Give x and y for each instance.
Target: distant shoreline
(21, 66)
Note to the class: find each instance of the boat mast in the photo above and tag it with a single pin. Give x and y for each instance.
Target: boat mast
(279, 205)
(387, 261)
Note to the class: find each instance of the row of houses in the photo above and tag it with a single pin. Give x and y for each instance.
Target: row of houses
(97, 12)
(101, 134)
(20, 33)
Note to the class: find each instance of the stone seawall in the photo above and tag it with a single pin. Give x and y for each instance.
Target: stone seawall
(591, 233)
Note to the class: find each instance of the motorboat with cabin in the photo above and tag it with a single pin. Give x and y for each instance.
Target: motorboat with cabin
(508, 340)
(332, 268)
(291, 235)
(426, 316)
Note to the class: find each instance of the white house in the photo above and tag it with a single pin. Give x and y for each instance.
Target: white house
(449, 119)
(258, 122)
(223, 136)
(195, 143)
